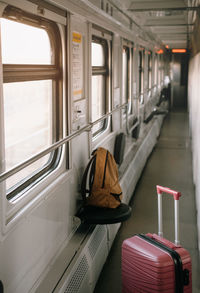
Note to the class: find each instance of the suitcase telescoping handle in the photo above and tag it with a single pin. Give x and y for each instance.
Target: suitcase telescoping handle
(176, 195)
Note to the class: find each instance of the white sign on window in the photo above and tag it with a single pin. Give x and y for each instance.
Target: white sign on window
(77, 66)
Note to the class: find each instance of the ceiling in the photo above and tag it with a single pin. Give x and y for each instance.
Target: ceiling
(172, 21)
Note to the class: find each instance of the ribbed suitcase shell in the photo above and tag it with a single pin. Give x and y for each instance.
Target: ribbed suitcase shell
(149, 268)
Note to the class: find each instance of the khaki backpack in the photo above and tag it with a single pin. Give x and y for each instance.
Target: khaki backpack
(101, 174)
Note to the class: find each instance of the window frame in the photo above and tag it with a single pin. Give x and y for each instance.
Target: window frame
(160, 69)
(33, 72)
(156, 70)
(105, 71)
(149, 70)
(141, 64)
(128, 47)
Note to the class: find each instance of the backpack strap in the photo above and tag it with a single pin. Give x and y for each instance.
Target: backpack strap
(92, 174)
(84, 179)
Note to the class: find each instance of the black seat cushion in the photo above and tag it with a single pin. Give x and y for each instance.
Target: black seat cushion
(119, 148)
(97, 215)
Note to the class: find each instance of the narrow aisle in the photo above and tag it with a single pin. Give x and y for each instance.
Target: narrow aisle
(170, 165)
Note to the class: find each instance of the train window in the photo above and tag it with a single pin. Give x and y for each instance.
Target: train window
(126, 76)
(33, 39)
(155, 70)
(99, 82)
(149, 70)
(141, 74)
(98, 56)
(32, 96)
(162, 69)
(159, 70)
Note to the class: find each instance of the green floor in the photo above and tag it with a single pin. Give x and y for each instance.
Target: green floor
(170, 165)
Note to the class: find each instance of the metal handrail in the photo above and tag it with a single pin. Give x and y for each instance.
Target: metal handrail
(54, 146)
(134, 126)
(137, 95)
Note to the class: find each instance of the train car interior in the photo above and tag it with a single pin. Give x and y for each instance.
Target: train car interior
(78, 76)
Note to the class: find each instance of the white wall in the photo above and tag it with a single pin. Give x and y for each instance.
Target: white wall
(194, 114)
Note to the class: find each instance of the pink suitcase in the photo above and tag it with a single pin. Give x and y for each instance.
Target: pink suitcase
(151, 263)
